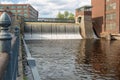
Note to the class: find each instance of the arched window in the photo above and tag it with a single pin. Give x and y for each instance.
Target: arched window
(79, 19)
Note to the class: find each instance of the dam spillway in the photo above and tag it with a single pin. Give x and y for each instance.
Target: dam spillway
(52, 31)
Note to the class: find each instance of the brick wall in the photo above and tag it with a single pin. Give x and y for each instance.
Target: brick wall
(98, 16)
(100, 11)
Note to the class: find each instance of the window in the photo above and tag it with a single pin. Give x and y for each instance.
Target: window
(110, 26)
(24, 6)
(19, 7)
(111, 6)
(7, 7)
(13, 7)
(25, 11)
(111, 16)
(79, 20)
(1, 7)
(13, 11)
(18, 11)
(25, 15)
(114, 5)
(19, 14)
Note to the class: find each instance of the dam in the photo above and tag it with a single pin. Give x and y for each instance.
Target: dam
(52, 31)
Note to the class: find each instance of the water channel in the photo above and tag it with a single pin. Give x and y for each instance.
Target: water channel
(76, 59)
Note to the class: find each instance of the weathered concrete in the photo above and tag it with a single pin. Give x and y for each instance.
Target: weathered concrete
(86, 27)
(115, 36)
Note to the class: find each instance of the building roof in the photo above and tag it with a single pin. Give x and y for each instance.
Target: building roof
(84, 7)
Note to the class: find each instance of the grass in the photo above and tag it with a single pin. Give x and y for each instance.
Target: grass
(25, 78)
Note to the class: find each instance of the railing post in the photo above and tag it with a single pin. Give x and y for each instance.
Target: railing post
(17, 31)
(5, 42)
(17, 34)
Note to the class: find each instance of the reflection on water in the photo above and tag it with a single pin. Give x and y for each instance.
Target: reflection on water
(77, 59)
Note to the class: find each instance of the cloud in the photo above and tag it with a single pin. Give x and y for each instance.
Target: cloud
(61, 2)
(50, 8)
(7, 2)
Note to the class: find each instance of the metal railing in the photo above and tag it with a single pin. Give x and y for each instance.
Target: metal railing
(9, 49)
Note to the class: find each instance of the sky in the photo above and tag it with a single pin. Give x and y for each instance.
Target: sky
(50, 8)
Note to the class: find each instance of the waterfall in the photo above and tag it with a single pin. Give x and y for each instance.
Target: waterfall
(52, 31)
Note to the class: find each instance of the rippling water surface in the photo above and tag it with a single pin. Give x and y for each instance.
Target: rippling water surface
(76, 59)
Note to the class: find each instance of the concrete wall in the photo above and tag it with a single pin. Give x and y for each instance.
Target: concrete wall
(86, 27)
(85, 23)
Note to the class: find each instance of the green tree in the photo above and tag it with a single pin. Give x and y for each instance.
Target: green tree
(71, 16)
(60, 15)
(66, 14)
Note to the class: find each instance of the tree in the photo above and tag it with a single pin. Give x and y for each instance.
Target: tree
(66, 14)
(71, 16)
(61, 16)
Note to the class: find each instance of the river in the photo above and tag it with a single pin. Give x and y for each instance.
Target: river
(76, 59)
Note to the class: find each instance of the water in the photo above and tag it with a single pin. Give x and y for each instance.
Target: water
(52, 31)
(76, 59)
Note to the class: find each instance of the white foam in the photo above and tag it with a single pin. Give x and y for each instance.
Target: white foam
(53, 36)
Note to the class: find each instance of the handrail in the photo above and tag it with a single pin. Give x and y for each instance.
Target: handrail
(26, 48)
(31, 62)
(4, 58)
(9, 49)
(15, 51)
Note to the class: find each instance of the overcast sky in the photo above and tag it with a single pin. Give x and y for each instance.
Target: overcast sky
(50, 8)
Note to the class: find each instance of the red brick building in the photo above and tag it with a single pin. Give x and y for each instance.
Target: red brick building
(25, 10)
(106, 16)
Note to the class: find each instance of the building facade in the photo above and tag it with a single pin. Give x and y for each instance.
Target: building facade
(81, 12)
(25, 10)
(83, 18)
(106, 16)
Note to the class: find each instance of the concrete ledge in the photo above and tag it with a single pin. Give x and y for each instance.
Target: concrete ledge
(115, 36)
(31, 62)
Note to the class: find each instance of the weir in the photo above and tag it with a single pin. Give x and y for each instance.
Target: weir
(36, 30)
